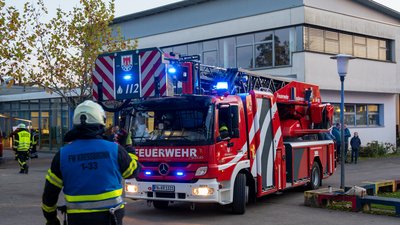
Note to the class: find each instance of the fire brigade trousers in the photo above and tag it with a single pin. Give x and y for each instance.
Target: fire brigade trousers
(22, 157)
(96, 218)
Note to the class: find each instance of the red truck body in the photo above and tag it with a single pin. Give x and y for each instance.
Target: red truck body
(273, 139)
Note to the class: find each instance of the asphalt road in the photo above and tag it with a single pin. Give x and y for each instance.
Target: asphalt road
(20, 199)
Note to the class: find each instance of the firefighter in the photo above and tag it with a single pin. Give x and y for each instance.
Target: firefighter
(34, 137)
(22, 143)
(89, 170)
(223, 131)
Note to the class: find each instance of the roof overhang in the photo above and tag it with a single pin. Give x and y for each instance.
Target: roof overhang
(380, 8)
(161, 9)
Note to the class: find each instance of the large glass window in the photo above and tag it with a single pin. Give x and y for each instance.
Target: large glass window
(181, 49)
(194, 49)
(210, 58)
(360, 115)
(333, 42)
(264, 55)
(346, 44)
(282, 47)
(227, 52)
(315, 40)
(256, 50)
(244, 56)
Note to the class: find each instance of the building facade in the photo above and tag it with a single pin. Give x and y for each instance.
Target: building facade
(293, 39)
(47, 113)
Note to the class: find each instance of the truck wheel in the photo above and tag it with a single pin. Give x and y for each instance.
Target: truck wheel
(239, 194)
(315, 176)
(160, 204)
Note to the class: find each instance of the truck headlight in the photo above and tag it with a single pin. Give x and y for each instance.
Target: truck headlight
(201, 171)
(202, 191)
(131, 188)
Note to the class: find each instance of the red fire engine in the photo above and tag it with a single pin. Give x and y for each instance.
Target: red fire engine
(227, 136)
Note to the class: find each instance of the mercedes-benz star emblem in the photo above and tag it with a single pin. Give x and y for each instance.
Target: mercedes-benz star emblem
(163, 168)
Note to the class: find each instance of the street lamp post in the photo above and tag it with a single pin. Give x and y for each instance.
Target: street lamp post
(342, 64)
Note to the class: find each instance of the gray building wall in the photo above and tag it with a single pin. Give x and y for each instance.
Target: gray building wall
(205, 13)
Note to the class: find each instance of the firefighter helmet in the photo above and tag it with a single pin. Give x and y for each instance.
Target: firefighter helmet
(89, 112)
(21, 126)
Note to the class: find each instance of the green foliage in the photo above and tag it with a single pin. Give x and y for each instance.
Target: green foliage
(375, 149)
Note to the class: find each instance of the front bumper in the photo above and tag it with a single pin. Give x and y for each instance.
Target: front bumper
(182, 191)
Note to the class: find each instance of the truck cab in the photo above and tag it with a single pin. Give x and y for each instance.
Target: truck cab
(182, 149)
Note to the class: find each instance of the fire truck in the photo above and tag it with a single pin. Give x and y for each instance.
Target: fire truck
(223, 136)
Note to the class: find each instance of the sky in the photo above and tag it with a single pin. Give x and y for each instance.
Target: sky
(124, 7)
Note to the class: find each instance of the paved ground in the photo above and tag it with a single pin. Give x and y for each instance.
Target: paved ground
(20, 197)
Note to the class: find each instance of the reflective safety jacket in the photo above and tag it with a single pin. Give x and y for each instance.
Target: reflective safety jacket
(22, 140)
(91, 176)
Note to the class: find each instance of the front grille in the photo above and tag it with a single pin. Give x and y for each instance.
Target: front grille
(165, 195)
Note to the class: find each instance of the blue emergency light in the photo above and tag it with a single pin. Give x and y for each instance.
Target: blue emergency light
(172, 70)
(222, 86)
(127, 77)
(148, 173)
(179, 173)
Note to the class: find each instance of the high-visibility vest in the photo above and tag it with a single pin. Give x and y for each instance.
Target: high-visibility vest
(90, 176)
(23, 142)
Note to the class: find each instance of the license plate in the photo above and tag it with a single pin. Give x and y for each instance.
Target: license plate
(164, 188)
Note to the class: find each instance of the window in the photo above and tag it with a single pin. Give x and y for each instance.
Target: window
(210, 58)
(256, 50)
(333, 42)
(227, 52)
(346, 44)
(372, 48)
(182, 49)
(194, 49)
(373, 115)
(316, 40)
(282, 47)
(244, 57)
(264, 55)
(360, 115)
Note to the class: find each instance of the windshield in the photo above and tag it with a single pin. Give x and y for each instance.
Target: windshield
(173, 125)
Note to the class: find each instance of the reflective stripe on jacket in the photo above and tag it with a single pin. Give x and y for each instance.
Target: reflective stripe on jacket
(91, 176)
(23, 142)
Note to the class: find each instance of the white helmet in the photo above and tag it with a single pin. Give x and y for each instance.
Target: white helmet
(89, 112)
(21, 126)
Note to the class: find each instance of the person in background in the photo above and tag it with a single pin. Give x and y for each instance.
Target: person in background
(347, 135)
(355, 144)
(89, 170)
(22, 144)
(34, 137)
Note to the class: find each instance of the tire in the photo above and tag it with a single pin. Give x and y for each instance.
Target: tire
(239, 194)
(315, 181)
(160, 204)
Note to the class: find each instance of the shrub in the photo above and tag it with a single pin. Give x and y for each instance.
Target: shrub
(375, 148)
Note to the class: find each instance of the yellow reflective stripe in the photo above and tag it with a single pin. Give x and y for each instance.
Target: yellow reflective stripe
(132, 166)
(49, 208)
(53, 179)
(98, 197)
(89, 210)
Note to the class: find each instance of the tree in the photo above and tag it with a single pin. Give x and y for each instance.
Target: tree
(65, 47)
(14, 43)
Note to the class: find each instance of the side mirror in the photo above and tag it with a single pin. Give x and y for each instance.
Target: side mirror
(221, 138)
